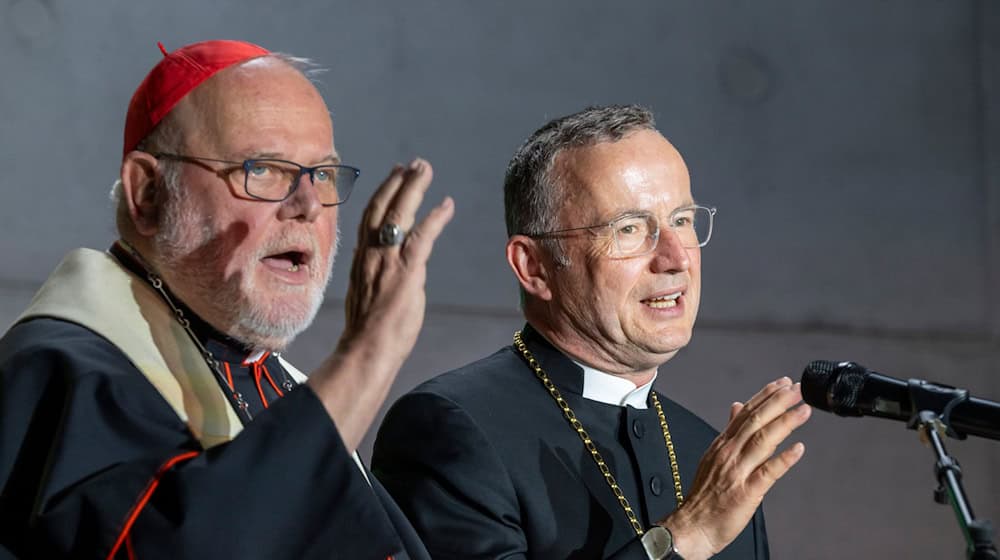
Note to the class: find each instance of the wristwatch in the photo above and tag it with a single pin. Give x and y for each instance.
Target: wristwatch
(659, 544)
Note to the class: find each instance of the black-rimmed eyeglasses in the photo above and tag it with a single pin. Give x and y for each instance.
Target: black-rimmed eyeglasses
(637, 234)
(274, 180)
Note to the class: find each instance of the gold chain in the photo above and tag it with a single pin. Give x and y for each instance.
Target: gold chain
(674, 470)
(589, 443)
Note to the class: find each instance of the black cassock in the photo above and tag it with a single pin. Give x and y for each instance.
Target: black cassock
(92, 455)
(485, 465)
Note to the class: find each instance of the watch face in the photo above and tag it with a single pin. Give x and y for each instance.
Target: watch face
(658, 542)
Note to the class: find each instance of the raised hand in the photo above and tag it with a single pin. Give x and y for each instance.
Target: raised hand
(385, 300)
(738, 469)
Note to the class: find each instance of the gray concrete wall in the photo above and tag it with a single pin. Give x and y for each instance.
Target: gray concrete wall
(852, 147)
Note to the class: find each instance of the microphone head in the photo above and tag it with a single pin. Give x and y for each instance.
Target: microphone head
(833, 386)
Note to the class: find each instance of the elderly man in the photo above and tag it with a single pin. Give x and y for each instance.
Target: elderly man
(147, 410)
(556, 446)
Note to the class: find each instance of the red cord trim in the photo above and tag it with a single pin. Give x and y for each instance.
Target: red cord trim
(144, 499)
(256, 380)
(255, 369)
(270, 380)
(229, 376)
(247, 362)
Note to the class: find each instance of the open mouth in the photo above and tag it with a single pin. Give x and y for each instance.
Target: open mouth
(664, 301)
(290, 261)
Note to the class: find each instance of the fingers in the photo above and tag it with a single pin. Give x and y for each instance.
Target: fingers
(758, 428)
(420, 241)
(768, 390)
(741, 465)
(756, 412)
(403, 208)
(761, 427)
(398, 197)
(763, 442)
(734, 409)
(375, 211)
(379, 267)
(764, 477)
(753, 417)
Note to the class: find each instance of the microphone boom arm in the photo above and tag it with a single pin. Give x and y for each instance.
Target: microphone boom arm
(978, 532)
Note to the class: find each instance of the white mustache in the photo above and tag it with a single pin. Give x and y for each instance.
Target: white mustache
(288, 240)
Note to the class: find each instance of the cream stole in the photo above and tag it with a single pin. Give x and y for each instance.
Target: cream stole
(92, 289)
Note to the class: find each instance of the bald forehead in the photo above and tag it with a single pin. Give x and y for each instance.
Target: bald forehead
(228, 102)
(257, 73)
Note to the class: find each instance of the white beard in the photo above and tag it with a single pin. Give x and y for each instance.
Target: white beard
(189, 250)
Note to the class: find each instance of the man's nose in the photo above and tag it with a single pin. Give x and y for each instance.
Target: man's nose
(303, 203)
(670, 254)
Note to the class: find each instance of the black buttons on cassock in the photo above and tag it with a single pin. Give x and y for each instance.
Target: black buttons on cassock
(655, 485)
(638, 428)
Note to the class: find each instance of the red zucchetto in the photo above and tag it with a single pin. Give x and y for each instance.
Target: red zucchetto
(174, 77)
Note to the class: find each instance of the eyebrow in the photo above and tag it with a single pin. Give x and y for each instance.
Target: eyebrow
(624, 213)
(638, 211)
(333, 158)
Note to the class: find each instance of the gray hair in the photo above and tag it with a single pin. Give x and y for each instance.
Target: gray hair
(168, 137)
(531, 192)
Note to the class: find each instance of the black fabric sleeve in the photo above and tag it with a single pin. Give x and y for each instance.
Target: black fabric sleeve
(445, 475)
(761, 548)
(632, 551)
(84, 434)
(442, 470)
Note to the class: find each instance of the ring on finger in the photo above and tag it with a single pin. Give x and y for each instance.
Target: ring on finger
(390, 235)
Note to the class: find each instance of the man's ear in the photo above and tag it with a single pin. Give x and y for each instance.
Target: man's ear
(139, 191)
(526, 258)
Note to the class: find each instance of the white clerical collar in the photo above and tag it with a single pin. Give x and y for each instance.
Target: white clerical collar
(612, 389)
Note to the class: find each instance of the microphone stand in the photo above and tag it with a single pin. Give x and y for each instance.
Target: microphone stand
(930, 423)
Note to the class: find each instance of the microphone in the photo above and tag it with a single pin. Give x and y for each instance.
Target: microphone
(850, 389)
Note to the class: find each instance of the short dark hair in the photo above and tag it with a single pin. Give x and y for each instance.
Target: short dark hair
(530, 192)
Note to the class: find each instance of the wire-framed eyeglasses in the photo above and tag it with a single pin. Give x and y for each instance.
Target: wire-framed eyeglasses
(637, 234)
(274, 180)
